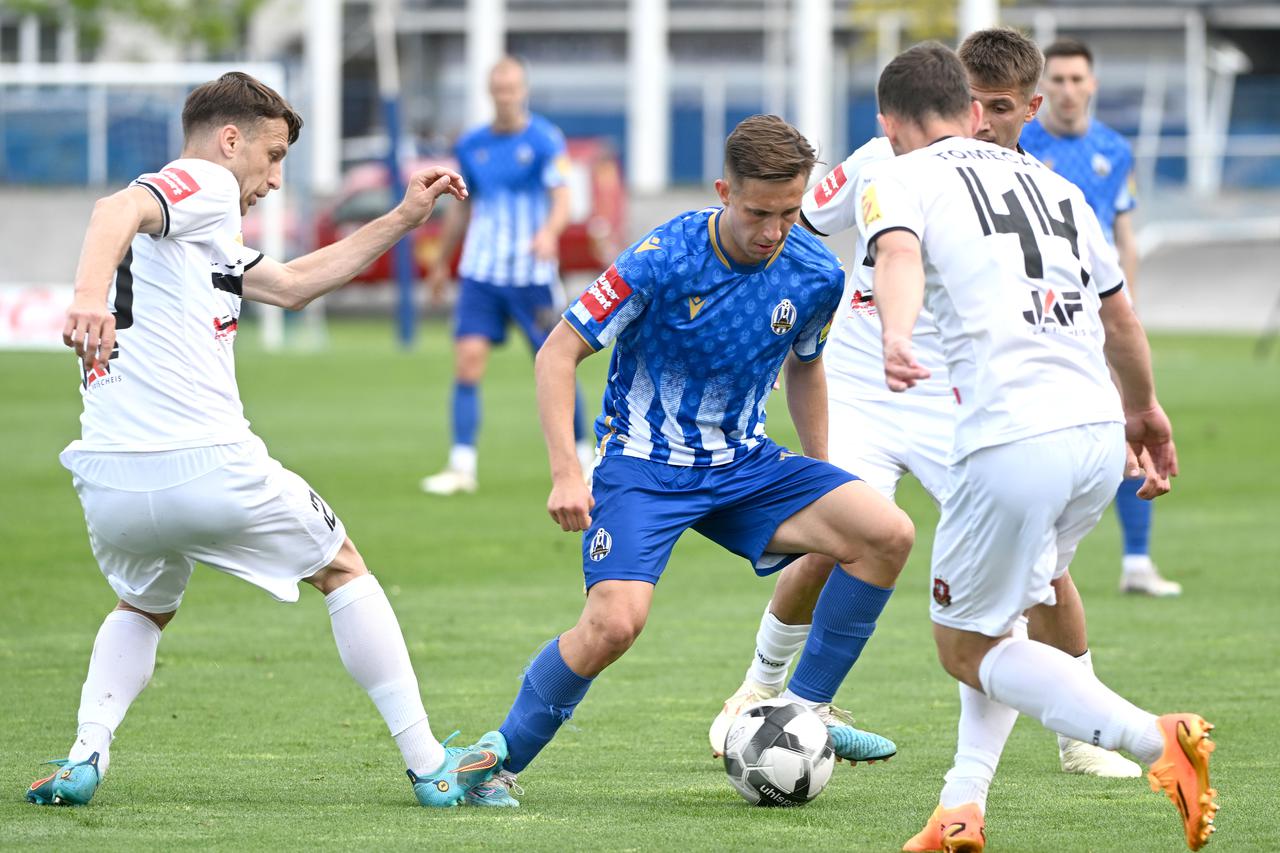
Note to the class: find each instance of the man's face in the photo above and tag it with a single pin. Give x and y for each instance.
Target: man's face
(1069, 84)
(259, 161)
(1004, 112)
(509, 92)
(758, 215)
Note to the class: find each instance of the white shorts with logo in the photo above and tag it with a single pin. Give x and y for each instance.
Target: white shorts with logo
(152, 516)
(1012, 519)
(881, 440)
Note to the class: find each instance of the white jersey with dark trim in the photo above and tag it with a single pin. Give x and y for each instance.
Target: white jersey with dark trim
(854, 356)
(171, 382)
(1015, 266)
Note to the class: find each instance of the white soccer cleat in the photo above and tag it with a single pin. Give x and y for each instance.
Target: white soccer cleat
(1089, 760)
(750, 693)
(449, 482)
(1149, 582)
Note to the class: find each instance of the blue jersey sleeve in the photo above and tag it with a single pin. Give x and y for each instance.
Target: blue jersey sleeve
(616, 299)
(809, 344)
(460, 153)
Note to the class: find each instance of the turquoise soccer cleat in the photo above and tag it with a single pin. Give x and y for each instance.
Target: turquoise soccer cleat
(852, 744)
(463, 769)
(496, 793)
(72, 785)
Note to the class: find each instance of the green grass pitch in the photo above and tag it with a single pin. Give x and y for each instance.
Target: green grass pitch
(252, 736)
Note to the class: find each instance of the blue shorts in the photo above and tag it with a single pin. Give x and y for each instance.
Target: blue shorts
(642, 507)
(485, 309)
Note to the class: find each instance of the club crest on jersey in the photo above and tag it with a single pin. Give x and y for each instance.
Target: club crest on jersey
(784, 317)
(601, 545)
(605, 294)
(1101, 165)
(829, 186)
(1054, 312)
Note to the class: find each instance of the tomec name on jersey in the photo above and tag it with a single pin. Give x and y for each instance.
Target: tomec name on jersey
(701, 338)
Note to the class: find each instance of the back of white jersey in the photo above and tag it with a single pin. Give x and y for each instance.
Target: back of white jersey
(1015, 265)
(171, 381)
(854, 357)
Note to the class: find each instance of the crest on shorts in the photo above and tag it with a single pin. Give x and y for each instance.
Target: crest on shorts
(784, 317)
(601, 545)
(942, 592)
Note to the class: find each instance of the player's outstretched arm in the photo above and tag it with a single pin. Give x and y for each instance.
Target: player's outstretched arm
(807, 402)
(1127, 250)
(296, 283)
(555, 369)
(899, 294)
(1147, 427)
(456, 220)
(90, 328)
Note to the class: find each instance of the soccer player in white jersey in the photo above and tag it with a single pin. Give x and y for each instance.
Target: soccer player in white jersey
(887, 435)
(1014, 273)
(167, 469)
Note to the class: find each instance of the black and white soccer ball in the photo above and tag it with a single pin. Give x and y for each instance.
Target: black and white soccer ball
(778, 753)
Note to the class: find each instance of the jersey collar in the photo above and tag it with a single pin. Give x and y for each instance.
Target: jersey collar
(713, 233)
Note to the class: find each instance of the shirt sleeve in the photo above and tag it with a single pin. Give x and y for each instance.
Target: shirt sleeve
(812, 339)
(618, 297)
(1101, 263)
(194, 201)
(555, 172)
(830, 206)
(887, 203)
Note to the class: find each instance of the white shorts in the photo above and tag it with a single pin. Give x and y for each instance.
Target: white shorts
(1012, 520)
(249, 517)
(880, 440)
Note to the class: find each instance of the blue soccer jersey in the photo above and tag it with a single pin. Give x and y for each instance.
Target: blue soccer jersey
(701, 338)
(508, 176)
(1100, 163)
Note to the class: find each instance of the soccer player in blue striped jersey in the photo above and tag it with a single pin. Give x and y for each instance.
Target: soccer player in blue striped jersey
(702, 315)
(1099, 161)
(517, 168)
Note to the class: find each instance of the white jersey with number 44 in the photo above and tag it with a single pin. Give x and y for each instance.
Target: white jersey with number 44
(171, 381)
(1015, 266)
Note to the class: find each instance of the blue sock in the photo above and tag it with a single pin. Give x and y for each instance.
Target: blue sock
(549, 693)
(843, 621)
(1135, 518)
(466, 413)
(579, 415)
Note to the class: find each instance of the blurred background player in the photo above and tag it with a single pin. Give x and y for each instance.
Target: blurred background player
(1069, 140)
(167, 469)
(1040, 437)
(708, 308)
(516, 170)
(883, 436)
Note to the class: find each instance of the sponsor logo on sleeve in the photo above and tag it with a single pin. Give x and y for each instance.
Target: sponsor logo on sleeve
(176, 184)
(870, 206)
(829, 186)
(605, 294)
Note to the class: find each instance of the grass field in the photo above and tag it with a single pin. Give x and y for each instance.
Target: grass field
(252, 736)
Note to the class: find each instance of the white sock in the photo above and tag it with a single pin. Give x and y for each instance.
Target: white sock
(373, 651)
(1085, 660)
(984, 727)
(124, 657)
(1067, 698)
(462, 458)
(799, 700)
(777, 645)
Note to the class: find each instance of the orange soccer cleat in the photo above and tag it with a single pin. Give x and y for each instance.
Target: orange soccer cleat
(1183, 772)
(958, 830)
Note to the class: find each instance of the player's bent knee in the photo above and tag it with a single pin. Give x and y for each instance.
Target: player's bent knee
(345, 567)
(160, 619)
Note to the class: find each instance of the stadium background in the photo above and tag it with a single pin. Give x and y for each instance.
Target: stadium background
(1193, 85)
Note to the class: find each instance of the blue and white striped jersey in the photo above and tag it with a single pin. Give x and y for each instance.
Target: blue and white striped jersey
(701, 338)
(509, 175)
(1099, 162)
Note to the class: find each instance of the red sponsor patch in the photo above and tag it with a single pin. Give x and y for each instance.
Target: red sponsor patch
(605, 294)
(176, 184)
(829, 186)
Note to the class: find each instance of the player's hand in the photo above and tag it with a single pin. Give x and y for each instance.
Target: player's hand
(424, 188)
(570, 504)
(1149, 430)
(90, 330)
(1153, 485)
(438, 281)
(901, 370)
(545, 245)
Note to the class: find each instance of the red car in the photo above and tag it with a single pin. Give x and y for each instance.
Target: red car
(593, 238)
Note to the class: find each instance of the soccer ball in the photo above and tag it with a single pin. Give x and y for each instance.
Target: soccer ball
(778, 753)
